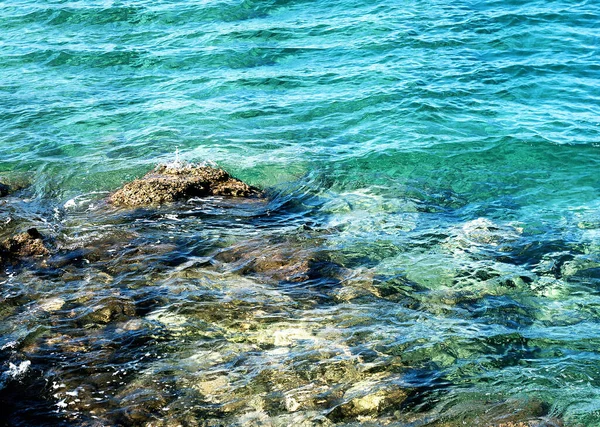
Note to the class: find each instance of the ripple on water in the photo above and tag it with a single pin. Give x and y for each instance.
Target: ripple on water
(427, 252)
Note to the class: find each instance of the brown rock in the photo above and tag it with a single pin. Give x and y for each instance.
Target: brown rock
(22, 245)
(167, 184)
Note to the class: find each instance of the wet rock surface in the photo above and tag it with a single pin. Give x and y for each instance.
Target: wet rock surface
(368, 399)
(23, 245)
(524, 412)
(167, 184)
(110, 309)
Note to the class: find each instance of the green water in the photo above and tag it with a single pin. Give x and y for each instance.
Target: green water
(436, 163)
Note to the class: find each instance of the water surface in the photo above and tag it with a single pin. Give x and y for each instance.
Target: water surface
(434, 164)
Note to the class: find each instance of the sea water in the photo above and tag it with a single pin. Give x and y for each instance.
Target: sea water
(437, 160)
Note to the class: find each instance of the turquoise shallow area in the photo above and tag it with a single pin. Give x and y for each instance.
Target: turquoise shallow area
(444, 154)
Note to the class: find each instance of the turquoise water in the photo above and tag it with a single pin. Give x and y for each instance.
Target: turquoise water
(440, 158)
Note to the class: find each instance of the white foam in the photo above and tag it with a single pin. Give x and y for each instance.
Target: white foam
(16, 371)
(11, 344)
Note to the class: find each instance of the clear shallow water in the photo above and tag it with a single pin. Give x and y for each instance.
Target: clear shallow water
(435, 163)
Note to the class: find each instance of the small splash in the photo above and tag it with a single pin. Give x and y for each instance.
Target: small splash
(177, 163)
(84, 201)
(210, 163)
(11, 344)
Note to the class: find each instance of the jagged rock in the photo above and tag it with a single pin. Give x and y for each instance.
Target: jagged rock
(167, 184)
(4, 189)
(28, 244)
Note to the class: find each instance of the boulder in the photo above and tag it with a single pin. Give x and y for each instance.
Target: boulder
(28, 244)
(170, 183)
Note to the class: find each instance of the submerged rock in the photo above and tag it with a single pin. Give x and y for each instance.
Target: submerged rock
(512, 412)
(286, 260)
(23, 245)
(168, 183)
(369, 398)
(110, 310)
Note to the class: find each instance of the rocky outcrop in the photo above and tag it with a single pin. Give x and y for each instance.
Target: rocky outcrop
(168, 183)
(24, 245)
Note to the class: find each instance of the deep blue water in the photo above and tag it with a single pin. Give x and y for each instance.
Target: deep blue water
(441, 156)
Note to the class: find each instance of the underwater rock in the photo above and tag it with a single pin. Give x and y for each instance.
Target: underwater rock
(23, 245)
(286, 261)
(303, 419)
(512, 412)
(483, 231)
(4, 190)
(109, 310)
(141, 405)
(526, 424)
(368, 398)
(51, 304)
(167, 184)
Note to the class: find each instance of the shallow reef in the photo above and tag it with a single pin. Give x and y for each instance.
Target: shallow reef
(211, 304)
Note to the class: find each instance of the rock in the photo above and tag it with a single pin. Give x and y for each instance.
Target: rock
(51, 304)
(142, 405)
(167, 184)
(368, 398)
(513, 412)
(273, 261)
(28, 244)
(209, 388)
(4, 190)
(303, 419)
(109, 310)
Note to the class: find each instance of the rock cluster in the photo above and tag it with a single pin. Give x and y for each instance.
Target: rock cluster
(168, 183)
